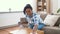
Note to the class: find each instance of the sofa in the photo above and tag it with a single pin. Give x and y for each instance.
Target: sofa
(54, 29)
(47, 29)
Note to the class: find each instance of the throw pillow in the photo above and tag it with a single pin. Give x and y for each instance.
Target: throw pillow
(51, 20)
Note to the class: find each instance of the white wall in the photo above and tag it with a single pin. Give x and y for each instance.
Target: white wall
(53, 5)
(10, 18)
(16, 5)
(58, 3)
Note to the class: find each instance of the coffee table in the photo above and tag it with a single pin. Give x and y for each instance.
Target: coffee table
(25, 31)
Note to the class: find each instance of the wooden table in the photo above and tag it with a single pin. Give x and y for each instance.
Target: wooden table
(28, 31)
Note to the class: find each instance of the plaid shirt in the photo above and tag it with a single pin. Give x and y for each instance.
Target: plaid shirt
(36, 19)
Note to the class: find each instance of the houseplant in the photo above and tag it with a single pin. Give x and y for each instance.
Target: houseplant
(58, 11)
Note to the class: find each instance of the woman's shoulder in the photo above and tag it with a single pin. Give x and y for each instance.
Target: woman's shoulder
(36, 15)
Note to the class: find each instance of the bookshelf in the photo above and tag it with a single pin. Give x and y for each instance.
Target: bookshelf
(43, 5)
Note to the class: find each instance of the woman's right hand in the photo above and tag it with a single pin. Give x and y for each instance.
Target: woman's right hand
(34, 30)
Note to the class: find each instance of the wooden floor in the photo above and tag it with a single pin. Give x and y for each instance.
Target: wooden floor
(7, 30)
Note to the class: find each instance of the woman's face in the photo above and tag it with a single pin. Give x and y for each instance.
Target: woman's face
(28, 11)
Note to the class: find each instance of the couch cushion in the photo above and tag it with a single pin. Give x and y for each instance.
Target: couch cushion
(51, 30)
(51, 20)
(43, 16)
(58, 22)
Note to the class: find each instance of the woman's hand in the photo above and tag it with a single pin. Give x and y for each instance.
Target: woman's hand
(35, 29)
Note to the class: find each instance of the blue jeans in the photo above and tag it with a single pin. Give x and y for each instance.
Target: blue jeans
(40, 26)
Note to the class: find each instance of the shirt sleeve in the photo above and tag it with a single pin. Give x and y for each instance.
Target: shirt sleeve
(41, 21)
(37, 19)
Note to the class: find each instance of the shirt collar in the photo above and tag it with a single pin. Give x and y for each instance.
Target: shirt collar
(30, 16)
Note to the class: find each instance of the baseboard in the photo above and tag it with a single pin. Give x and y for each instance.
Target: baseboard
(8, 26)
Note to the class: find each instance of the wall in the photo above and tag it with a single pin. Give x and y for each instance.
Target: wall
(15, 5)
(10, 18)
(53, 5)
(58, 3)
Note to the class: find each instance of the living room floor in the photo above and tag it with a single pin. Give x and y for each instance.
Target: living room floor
(7, 30)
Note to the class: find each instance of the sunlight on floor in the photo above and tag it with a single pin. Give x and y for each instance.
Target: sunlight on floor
(22, 31)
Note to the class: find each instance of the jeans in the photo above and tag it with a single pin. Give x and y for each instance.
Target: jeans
(40, 26)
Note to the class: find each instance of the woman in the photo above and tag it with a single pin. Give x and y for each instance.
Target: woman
(34, 20)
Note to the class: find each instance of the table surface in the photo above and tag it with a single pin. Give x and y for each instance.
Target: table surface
(26, 30)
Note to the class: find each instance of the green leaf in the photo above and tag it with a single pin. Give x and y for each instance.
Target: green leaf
(58, 10)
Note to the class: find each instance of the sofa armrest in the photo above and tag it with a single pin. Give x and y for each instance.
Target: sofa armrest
(51, 30)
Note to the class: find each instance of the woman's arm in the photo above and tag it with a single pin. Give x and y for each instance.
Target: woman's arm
(35, 28)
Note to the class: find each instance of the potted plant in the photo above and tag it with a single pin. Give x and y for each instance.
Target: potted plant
(58, 10)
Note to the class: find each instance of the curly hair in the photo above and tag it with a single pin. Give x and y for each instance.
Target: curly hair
(27, 6)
